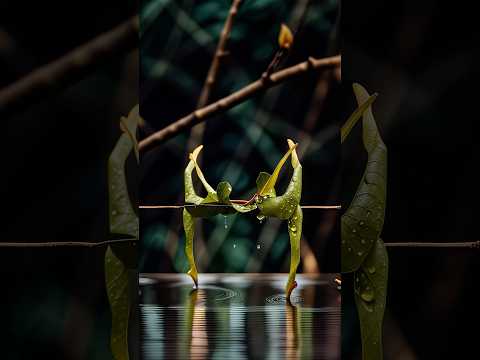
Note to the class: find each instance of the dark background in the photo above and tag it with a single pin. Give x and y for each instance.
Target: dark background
(422, 58)
(53, 181)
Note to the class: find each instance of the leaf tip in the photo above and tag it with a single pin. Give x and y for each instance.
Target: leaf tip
(285, 38)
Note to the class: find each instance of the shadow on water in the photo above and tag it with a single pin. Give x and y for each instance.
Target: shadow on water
(242, 316)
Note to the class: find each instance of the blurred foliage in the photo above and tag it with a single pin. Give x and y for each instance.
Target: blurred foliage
(177, 44)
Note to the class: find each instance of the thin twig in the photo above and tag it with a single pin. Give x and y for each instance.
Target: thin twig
(234, 99)
(324, 207)
(470, 244)
(69, 68)
(197, 131)
(66, 243)
(219, 55)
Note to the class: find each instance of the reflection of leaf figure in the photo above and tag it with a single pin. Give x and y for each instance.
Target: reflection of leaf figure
(117, 284)
(265, 203)
(363, 252)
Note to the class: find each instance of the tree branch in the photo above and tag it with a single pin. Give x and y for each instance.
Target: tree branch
(196, 134)
(234, 99)
(219, 55)
(69, 68)
(66, 243)
(470, 244)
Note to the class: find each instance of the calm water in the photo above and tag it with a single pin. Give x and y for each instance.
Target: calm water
(241, 316)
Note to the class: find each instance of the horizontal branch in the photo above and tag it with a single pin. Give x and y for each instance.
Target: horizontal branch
(234, 99)
(323, 207)
(65, 243)
(470, 244)
(70, 68)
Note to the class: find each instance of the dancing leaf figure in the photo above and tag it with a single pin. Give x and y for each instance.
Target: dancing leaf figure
(264, 203)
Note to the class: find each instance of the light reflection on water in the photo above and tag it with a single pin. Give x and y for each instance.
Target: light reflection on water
(222, 320)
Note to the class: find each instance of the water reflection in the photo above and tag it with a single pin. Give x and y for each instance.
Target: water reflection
(234, 317)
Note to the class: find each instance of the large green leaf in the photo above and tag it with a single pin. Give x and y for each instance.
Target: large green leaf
(123, 219)
(362, 223)
(117, 280)
(370, 283)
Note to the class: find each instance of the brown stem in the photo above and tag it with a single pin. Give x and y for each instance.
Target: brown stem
(218, 56)
(69, 68)
(234, 99)
(471, 244)
(66, 243)
(197, 131)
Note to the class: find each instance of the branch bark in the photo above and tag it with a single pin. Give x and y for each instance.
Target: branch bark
(66, 243)
(197, 132)
(236, 98)
(219, 54)
(69, 68)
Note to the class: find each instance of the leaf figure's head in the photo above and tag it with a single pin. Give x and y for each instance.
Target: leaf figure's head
(224, 189)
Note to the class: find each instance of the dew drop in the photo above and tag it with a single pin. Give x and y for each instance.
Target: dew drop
(367, 295)
(371, 269)
(361, 223)
(354, 231)
(359, 253)
(234, 246)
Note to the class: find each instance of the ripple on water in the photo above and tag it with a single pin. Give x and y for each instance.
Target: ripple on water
(281, 299)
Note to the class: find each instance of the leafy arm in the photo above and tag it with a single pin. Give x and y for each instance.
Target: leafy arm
(284, 206)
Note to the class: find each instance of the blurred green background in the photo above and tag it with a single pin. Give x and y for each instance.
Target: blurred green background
(178, 39)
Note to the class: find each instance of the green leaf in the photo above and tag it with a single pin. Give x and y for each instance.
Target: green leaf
(267, 188)
(118, 291)
(262, 180)
(356, 115)
(362, 223)
(244, 208)
(193, 157)
(123, 219)
(370, 284)
(224, 189)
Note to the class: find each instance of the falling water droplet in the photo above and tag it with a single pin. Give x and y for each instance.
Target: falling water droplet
(234, 246)
(258, 246)
(225, 222)
(260, 218)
